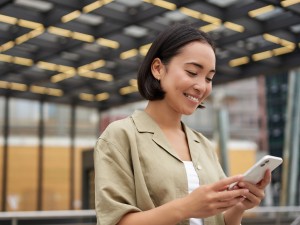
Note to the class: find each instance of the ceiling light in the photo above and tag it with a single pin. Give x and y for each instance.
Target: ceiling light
(210, 27)
(103, 76)
(271, 38)
(162, 4)
(144, 49)
(281, 51)
(82, 37)
(210, 19)
(190, 12)
(128, 90)
(23, 61)
(42, 6)
(86, 97)
(234, 26)
(262, 55)
(54, 92)
(108, 43)
(6, 58)
(287, 3)
(260, 11)
(239, 61)
(8, 19)
(61, 76)
(92, 6)
(128, 54)
(29, 24)
(71, 16)
(7, 46)
(102, 96)
(18, 86)
(4, 84)
(59, 31)
(47, 66)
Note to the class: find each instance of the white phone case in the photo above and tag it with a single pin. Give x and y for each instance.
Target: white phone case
(256, 173)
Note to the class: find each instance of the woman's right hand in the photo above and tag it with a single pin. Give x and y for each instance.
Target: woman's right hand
(209, 200)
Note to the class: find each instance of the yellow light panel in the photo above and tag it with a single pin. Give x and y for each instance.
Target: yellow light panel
(239, 61)
(260, 11)
(108, 43)
(4, 84)
(190, 12)
(82, 37)
(128, 54)
(210, 19)
(281, 51)
(71, 16)
(97, 64)
(6, 58)
(133, 82)
(23, 61)
(92, 6)
(55, 92)
(234, 26)
(7, 46)
(103, 76)
(144, 49)
(128, 90)
(86, 97)
(102, 96)
(287, 3)
(38, 89)
(18, 86)
(22, 39)
(210, 27)
(164, 4)
(47, 66)
(262, 55)
(29, 24)
(8, 19)
(59, 31)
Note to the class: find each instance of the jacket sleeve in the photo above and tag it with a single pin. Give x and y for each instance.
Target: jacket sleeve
(114, 183)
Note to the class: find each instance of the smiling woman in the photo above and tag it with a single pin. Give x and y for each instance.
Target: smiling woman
(151, 168)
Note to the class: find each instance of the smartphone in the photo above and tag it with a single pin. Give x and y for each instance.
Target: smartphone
(256, 173)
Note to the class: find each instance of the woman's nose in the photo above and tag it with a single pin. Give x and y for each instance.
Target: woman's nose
(200, 86)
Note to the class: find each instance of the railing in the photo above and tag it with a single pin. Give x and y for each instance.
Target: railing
(288, 215)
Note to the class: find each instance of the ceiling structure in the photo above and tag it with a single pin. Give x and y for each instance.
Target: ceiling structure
(87, 52)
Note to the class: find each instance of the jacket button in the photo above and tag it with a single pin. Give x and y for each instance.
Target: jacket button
(199, 167)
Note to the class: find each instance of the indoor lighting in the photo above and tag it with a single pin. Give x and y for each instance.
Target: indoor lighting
(59, 31)
(262, 55)
(128, 90)
(18, 86)
(66, 69)
(6, 58)
(86, 97)
(61, 76)
(103, 76)
(82, 37)
(8, 19)
(7, 46)
(54, 92)
(234, 26)
(271, 38)
(38, 89)
(108, 43)
(47, 66)
(22, 61)
(71, 16)
(4, 84)
(190, 12)
(210, 27)
(133, 82)
(144, 49)
(22, 39)
(210, 19)
(29, 24)
(102, 96)
(287, 3)
(164, 4)
(128, 54)
(97, 64)
(281, 51)
(239, 61)
(260, 11)
(92, 6)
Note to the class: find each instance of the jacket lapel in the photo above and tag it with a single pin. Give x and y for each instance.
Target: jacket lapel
(144, 123)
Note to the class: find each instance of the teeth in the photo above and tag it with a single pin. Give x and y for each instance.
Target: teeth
(192, 98)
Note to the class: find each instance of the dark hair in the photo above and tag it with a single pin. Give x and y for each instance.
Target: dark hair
(165, 47)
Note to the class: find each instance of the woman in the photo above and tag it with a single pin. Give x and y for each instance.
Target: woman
(150, 168)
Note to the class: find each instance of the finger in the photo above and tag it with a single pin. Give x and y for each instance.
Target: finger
(254, 189)
(266, 180)
(228, 203)
(233, 194)
(223, 184)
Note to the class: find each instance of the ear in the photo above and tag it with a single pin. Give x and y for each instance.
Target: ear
(157, 68)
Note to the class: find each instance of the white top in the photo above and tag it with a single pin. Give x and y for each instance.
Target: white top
(193, 183)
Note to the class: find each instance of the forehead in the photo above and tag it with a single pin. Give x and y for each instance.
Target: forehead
(197, 51)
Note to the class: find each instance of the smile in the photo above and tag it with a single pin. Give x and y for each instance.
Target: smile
(194, 99)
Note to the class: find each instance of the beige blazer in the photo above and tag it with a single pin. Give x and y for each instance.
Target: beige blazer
(136, 169)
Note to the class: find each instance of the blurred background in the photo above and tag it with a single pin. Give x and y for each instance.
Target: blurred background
(68, 69)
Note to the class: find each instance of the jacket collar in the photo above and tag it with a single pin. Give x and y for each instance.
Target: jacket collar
(145, 124)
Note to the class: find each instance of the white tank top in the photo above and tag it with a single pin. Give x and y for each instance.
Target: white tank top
(193, 183)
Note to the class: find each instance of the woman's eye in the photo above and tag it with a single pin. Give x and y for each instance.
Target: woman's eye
(209, 79)
(191, 73)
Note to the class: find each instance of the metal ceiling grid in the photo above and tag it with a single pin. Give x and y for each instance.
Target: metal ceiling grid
(87, 52)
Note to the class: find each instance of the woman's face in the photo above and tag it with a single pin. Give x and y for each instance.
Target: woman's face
(187, 78)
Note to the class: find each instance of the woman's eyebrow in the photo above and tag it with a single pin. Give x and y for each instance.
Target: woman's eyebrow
(200, 66)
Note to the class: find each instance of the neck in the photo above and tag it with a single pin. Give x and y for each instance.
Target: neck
(164, 116)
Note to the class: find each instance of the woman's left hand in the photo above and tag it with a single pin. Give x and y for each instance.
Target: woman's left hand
(256, 192)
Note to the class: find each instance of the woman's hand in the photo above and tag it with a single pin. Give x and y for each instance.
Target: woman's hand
(256, 192)
(209, 200)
